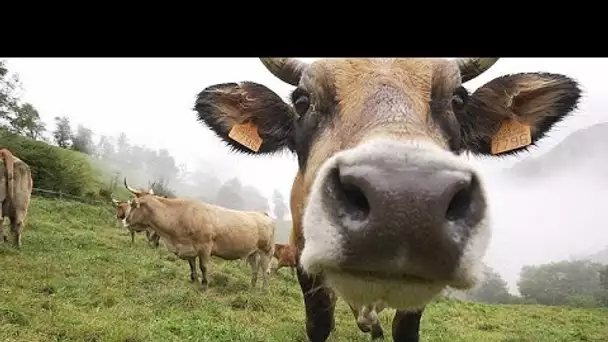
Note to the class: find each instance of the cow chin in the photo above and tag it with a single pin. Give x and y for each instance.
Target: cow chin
(363, 273)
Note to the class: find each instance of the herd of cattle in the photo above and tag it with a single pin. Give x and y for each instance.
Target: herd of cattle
(192, 229)
(385, 212)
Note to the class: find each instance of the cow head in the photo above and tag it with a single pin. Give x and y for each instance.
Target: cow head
(390, 210)
(278, 248)
(137, 215)
(122, 210)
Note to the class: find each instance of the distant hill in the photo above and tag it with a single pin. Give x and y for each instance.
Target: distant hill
(600, 256)
(586, 148)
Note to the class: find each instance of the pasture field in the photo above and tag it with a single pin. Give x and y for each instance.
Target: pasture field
(78, 278)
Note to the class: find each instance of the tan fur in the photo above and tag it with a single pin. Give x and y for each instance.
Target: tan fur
(286, 256)
(354, 82)
(122, 210)
(15, 193)
(193, 229)
(397, 110)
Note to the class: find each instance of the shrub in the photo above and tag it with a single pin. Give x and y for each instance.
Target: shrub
(54, 168)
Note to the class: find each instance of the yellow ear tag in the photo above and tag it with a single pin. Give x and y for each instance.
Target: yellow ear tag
(511, 135)
(247, 135)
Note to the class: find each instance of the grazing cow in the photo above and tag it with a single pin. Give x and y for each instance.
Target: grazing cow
(286, 256)
(122, 210)
(15, 193)
(383, 207)
(192, 229)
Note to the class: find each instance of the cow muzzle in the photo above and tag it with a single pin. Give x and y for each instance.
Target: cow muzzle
(398, 211)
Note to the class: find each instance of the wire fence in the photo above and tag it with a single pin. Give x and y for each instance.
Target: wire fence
(63, 196)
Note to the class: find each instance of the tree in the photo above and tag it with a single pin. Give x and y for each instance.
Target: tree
(203, 185)
(280, 208)
(604, 277)
(161, 188)
(229, 195)
(63, 132)
(254, 200)
(25, 120)
(82, 141)
(556, 282)
(123, 147)
(162, 165)
(493, 289)
(105, 147)
(9, 87)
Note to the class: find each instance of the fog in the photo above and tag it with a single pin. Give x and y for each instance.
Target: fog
(537, 219)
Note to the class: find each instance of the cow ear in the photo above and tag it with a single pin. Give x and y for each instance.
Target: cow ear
(511, 113)
(248, 116)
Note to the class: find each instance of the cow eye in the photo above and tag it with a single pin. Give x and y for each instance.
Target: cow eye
(301, 104)
(457, 102)
(458, 99)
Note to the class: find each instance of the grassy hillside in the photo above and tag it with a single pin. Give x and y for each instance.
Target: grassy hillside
(78, 278)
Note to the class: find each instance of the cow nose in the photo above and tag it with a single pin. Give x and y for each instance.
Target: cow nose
(401, 204)
(442, 194)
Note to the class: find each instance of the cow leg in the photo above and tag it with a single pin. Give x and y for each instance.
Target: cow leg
(203, 259)
(265, 266)
(406, 326)
(16, 224)
(132, 236)
(192, 264)
(155, 239)
(4, 237)
(254, 262)
(320, 305)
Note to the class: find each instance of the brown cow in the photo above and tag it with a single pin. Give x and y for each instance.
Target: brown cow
(122, 210)
(192, 229)
(15, 193)
(386, 209)
(286, 256)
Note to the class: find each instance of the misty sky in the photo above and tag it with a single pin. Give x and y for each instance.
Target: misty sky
(151, 101)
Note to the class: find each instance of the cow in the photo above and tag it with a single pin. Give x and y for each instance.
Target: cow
(15, 194)
(122, 210)
(383, 206)
(286, 257)
(192, 229)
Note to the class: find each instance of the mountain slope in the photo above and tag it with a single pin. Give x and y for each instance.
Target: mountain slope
(587, 147)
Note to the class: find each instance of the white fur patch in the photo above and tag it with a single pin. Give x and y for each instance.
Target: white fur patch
(323, 248)
(124, 222)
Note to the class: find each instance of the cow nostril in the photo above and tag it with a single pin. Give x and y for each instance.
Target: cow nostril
(353, 205)
(464, 197)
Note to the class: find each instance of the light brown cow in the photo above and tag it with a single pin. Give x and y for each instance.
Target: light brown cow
(15, 193)
(286, 257)
(122, 210)
(192, 229)
(385, 208)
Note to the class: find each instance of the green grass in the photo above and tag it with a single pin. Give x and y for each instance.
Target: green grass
(78, 278)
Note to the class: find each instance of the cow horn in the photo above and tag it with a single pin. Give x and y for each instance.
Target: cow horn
(115, 201)
(134, 191)
(473, 67)
(288, 70)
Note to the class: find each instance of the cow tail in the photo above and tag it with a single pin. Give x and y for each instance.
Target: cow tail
(7, 157)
